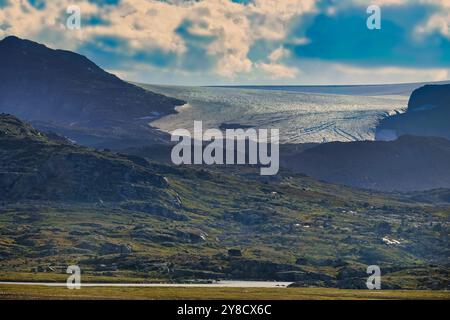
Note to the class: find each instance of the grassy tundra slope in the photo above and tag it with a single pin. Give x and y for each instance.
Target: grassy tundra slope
(122, 218)
(184, 293)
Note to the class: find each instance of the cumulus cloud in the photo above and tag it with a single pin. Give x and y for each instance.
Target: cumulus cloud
(438, 21)
(277, 70)
(217, 37)
(343, 37)
(146, 25)
(274, 68)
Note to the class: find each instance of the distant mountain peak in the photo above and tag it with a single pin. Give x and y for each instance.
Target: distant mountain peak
(11, 121)
(10, 38)
(428, 114)
(14, 49)
(38, 83)
(14, 42)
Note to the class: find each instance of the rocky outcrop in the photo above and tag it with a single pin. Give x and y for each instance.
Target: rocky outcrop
(413, 155)
(35, 167)
(113, 248)
(428, 114)
(407, 164)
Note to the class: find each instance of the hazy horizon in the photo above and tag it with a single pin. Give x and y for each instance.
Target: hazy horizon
(293, 84)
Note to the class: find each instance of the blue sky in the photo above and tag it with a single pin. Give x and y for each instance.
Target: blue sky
(246, 41)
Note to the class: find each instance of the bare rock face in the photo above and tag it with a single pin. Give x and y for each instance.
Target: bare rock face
(428, 114)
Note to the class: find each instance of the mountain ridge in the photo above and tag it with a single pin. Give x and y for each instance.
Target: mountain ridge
(410, 163)
(428, 114)
(34, 165)
(120, 216)
(66, 92)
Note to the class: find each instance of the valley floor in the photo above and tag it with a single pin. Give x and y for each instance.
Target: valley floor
(11, 291)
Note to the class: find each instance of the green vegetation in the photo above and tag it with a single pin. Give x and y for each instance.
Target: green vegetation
(194, 293)
(121, 218)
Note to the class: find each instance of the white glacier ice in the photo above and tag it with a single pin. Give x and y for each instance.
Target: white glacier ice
(300, 117)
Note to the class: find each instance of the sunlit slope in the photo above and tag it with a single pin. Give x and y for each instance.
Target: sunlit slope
(122, 217)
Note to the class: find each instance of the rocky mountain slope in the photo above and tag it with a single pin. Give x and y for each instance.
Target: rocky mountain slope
(409, 163)
(415, 158)
(428, 114)
(34, 165)
(67, 93)
(123, 219)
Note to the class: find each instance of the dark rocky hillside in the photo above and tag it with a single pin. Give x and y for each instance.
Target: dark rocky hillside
(415, 158)
(428, 114)
(68, 93)
(123, 219)
(409, 163)
(34, 165)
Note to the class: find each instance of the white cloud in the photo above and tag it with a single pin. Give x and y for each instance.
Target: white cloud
(277, 70)
(441, 75)
(403, 74)
(233, 28)
(151, 24)
(439, 22)
(279, 53)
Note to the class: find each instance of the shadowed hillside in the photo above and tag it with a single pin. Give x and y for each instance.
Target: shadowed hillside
(428, 114)
(407, 164)
(63, 91)
(417, 160)
(122, 218)
(35, 166)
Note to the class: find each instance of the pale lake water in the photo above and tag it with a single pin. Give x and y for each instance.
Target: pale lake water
(220, 284)
(300, 116)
